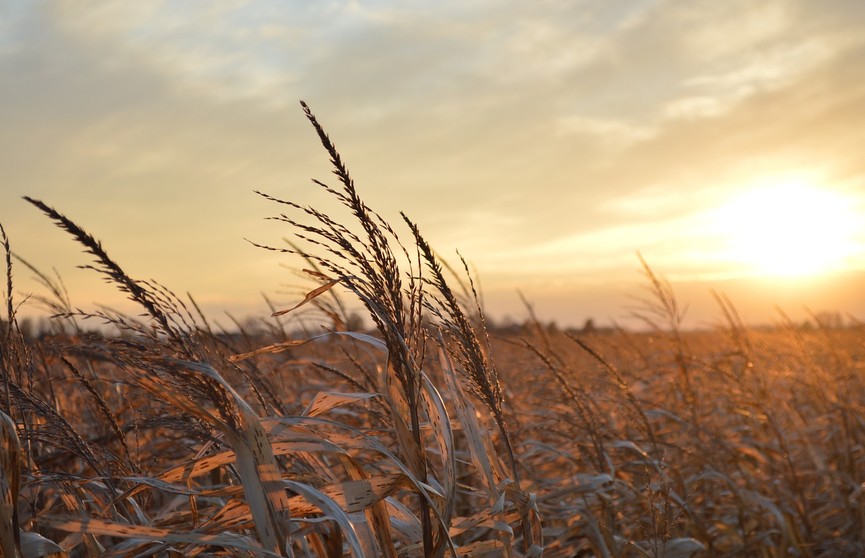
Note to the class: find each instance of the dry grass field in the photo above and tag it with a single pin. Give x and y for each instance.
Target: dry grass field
(430, 435)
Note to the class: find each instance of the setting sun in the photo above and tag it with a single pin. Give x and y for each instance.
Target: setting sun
(790, 228)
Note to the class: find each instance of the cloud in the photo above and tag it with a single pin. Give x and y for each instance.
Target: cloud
(611, 132)
(718, 93)
(520, 132)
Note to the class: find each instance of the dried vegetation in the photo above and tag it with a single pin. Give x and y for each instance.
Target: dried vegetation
(430, 436)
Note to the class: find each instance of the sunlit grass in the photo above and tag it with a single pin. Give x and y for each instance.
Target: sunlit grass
(430, 435)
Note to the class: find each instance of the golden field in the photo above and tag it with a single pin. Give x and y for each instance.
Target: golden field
(430, 434)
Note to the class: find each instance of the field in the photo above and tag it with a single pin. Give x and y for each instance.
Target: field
(428, 435)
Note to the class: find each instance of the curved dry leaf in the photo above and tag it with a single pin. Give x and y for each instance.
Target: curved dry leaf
(405, 524)
(324, 401)
(127, 531)
(270, 349)
(628, 444)
(309, 296)
(368, 339)
(332, 509)
(257, 468)
(358, 495)
(487, 519)
(444, 438)
(235, 512)
(34, 545)
(377, 519)
(363, 440)
(161, 485)
(197, 467)
(203, 465)
(591, 483)
(10, 482)
(478, 441)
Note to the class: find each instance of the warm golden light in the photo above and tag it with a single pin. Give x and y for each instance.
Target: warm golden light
(790, 228)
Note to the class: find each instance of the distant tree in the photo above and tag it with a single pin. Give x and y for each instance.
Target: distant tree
(589, 326)
(28, 329)
(354, 322)
(830, 320)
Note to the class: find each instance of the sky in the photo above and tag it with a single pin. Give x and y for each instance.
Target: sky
(549, 142)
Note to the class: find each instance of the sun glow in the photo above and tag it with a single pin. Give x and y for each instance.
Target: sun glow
(791, 228)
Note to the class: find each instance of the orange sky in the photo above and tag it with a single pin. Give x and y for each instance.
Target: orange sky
(548, 141)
